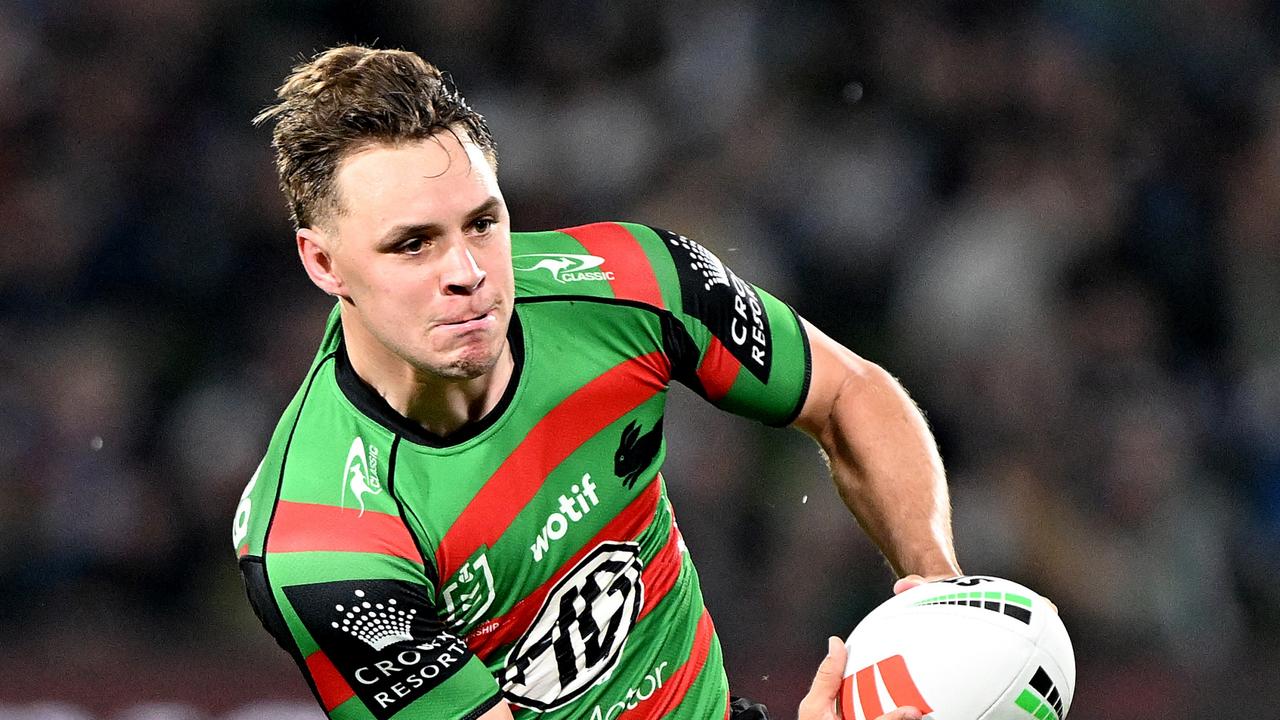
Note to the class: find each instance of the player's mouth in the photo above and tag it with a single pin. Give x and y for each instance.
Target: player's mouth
(471, 323)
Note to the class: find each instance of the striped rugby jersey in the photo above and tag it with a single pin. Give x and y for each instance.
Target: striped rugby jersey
(533, 555)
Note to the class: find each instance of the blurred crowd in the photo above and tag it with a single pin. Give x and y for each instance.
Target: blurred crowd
(1057, 221)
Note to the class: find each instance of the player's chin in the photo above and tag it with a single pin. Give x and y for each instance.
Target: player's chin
(469, 362)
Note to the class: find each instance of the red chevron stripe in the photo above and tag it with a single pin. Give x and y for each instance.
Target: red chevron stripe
(662, 571)
(633, 277)
(665, 700)
(718, 370)
(309, 527)
(626, 525)
(901, 687)
(330, 685)
(556, 436)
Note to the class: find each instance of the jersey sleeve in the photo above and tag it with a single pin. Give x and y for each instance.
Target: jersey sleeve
(370, 648)
(736, 345)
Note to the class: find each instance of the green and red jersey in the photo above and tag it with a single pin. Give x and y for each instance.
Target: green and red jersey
(532, 556)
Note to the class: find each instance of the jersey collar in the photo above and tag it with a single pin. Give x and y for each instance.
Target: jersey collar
(373, 406)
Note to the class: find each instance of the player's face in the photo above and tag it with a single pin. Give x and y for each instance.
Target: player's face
(424, 253)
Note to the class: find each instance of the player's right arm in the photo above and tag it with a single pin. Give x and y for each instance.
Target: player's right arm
(371, 648)
(347, 594)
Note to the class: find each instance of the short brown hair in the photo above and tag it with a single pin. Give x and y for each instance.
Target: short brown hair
(348, 97)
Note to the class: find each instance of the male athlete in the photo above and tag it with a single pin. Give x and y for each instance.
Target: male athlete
(460, 514)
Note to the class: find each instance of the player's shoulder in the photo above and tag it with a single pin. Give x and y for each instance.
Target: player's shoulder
(320, 442)
(622, 261)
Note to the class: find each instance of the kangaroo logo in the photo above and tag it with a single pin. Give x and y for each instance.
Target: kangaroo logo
(636, 452)
(564, 267)
(358, 476)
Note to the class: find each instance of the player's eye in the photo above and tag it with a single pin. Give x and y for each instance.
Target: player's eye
(413, 246)
(484, 224)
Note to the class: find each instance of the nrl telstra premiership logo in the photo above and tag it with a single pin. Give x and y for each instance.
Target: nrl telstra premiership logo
(360, 473)
(564, 267)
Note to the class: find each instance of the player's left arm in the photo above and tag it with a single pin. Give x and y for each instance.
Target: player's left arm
(883, 458)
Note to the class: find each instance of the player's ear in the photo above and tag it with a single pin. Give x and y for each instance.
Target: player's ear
(314, 251)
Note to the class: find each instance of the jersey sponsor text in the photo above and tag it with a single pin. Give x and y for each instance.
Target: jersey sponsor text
(557, 523)
(649, 685)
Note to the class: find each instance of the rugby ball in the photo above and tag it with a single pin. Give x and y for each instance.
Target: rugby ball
(966, 648)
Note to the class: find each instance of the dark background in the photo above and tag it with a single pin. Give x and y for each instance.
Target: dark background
(1058, 222)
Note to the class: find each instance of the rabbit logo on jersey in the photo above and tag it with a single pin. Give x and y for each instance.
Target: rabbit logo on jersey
(577, 637)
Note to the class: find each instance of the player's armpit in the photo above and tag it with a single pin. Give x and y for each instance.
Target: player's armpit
(882, 455)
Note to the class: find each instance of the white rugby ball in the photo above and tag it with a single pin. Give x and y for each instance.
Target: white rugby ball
(967, 648)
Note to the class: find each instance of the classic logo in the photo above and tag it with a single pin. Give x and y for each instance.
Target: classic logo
(577, 637)
(360, 473)
(240, 527)
(469, 593)
(382, 636)
(729, 306)
(564, 267)
(636, 451)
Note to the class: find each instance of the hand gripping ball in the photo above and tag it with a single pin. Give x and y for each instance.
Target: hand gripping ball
(966, 648)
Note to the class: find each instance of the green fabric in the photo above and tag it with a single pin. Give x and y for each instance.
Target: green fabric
(330, 456)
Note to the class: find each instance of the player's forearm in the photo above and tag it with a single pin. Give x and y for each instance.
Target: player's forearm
(883, 458)
(887, 469)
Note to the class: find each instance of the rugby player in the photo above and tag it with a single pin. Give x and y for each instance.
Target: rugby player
(461, 514)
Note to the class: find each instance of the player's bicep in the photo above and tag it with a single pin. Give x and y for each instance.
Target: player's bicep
(842, 390)
(745, 350)
(835, 372)
(376, 648)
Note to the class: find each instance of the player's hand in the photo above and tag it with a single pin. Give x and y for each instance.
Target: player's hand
(906, 583)
(820, 703)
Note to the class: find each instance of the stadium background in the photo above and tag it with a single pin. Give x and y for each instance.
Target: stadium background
(1058, 222)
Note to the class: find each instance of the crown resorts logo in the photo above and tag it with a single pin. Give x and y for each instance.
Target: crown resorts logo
(377, 624)
(360, 473)
(564, 267)
(705, 262)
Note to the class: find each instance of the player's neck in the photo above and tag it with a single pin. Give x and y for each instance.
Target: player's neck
(440, 405)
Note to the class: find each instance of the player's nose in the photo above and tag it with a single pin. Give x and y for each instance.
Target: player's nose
(461, 275)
